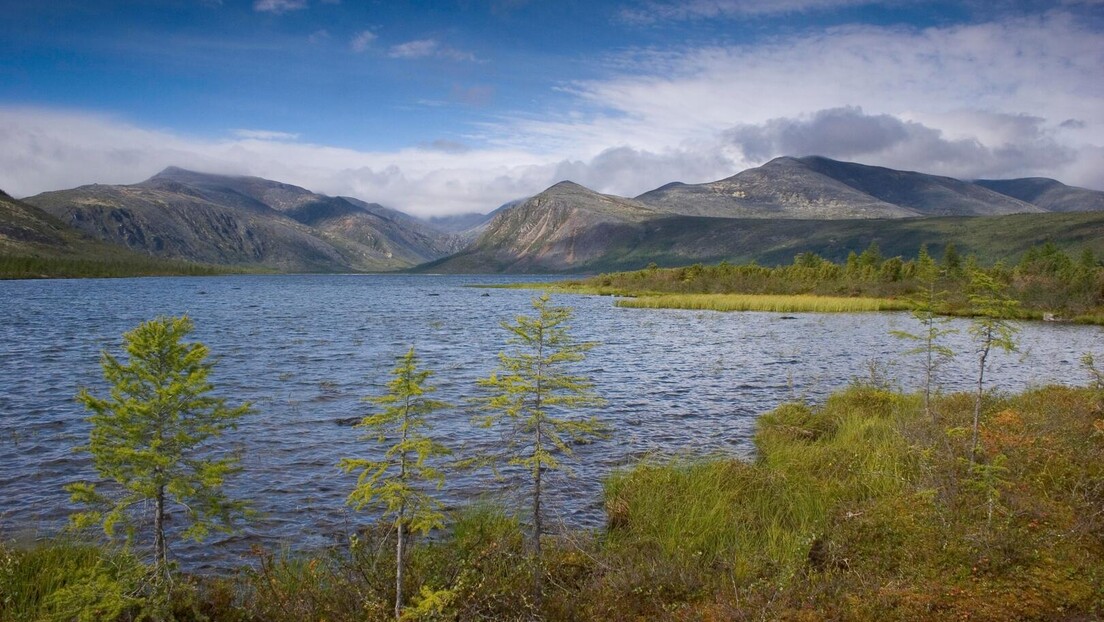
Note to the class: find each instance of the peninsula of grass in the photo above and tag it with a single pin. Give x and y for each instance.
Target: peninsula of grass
(764, 302)
(1046, 282)
(861, 508)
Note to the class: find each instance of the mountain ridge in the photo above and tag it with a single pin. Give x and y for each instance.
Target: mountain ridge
(251, 221)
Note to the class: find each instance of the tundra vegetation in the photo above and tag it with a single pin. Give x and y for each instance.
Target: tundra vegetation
(863, 507)
(1046, 282)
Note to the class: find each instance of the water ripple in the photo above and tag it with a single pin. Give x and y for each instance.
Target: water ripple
(305, 350)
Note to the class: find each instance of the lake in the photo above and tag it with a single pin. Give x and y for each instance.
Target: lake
(305, 350)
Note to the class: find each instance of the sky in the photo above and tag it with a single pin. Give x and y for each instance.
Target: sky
(459, 106)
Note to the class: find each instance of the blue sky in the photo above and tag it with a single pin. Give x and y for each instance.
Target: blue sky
(451, 106)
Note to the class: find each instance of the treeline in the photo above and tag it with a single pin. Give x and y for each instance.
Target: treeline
(1045, 280)
(41, 267)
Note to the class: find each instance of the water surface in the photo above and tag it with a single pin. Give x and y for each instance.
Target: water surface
(305, 350)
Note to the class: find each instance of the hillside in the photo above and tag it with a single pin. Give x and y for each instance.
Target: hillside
(772, 212)
(25, 228)
(565, 225)
(34, 244)
(682, 240)
(820, 188)
(247, 221)
(1048, 194)
(767, 213)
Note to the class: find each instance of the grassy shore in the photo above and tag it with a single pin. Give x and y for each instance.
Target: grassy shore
(764, 302)
(861, 508)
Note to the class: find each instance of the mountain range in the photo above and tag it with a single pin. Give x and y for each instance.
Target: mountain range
(767, 213)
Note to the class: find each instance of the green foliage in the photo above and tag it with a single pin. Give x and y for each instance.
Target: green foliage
(532, 386)
(531, 394)
(151, 439)
(853, 510)
(925, 308)
(1046, 282)
(401, 480)
(62, 580)
(398, 481)
(763, 302)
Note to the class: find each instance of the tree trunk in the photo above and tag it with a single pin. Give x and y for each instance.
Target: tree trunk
(977, 399)
(928, 370)
(399, 570)
(538, 574)
(159, 549)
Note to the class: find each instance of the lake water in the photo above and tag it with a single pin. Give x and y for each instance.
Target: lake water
(305, 350)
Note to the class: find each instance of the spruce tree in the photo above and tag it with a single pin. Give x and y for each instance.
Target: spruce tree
(532, 393)
(152, 440)
(401, 481)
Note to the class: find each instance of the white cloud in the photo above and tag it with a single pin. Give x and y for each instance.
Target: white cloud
(649, 12)
(1004, 86)
(1011, 98)
(278, 6)
(50, 150)
(414, 49)
(362, 41)
(265, 135)
(426, 48)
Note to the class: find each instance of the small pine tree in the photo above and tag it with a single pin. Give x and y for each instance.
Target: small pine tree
(398, 481)
(151, 439)
(925, 309)
(530, 389)
(991, 306)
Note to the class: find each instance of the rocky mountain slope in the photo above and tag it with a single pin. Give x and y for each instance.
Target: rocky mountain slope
(566, 224)
(25, 228)
(247, 221)
(819, 188)
(785, 206)
(780, 207)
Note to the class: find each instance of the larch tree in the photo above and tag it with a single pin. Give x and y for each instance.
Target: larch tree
(925, 310)
(531, 394)
(402, 480)
(990, 328)
(153, 441)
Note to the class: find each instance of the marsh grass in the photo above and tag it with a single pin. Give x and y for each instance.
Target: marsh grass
(63, 579)
(766, 302)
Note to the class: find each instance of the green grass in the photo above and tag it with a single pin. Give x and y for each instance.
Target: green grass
(65, 580)
(765, 302)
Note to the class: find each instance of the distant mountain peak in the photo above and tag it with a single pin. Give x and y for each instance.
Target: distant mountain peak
(567, 186)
